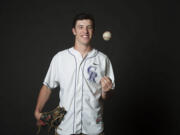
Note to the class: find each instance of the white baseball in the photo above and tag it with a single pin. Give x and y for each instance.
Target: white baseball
(107, 35)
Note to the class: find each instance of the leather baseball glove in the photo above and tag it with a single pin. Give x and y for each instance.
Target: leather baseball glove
(52, 119)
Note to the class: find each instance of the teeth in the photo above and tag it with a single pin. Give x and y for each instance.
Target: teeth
(85, 36)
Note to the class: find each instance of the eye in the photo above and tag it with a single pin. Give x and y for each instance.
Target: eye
(80, 26)
(90, 27)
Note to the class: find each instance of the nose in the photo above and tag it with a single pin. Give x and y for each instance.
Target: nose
(85, 30)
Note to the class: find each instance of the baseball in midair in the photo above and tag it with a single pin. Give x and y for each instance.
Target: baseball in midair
(107, 35)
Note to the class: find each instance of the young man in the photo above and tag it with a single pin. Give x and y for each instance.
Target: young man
(85, 76)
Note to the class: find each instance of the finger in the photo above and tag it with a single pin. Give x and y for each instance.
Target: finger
(107, 79)
(40, 123)
(105, 82)
(108, 82)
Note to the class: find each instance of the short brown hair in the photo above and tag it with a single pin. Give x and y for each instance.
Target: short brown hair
(82, 16)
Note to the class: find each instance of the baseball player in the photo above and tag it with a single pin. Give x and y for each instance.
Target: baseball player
(85, 77)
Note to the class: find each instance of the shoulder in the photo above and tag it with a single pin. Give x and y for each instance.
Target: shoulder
(59, 55)
(101, 55)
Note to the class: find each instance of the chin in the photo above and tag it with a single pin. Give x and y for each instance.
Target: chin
(86, 43)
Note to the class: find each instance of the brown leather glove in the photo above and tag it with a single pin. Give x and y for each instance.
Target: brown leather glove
(52, 119)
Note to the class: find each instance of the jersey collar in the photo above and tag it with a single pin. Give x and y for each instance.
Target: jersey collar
(92, 53)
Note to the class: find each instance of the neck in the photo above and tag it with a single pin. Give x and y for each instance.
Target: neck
(83, 49)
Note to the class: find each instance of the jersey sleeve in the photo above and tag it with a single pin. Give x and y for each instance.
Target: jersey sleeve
(109, 72)
(51, 78)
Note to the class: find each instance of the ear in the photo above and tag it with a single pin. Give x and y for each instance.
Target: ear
(74, 31)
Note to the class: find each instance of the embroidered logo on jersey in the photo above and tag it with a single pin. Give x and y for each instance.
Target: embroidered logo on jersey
(92, 73)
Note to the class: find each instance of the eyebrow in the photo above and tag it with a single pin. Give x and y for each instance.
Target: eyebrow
(83, 25)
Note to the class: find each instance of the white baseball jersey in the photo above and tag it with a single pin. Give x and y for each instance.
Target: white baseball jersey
(80, 89)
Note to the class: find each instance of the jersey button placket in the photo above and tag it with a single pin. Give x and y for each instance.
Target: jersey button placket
(78, 102)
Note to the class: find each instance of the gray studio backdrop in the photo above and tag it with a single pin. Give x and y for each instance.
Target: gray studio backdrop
(143, 51)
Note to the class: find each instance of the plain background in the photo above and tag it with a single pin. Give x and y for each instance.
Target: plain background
(144, 51)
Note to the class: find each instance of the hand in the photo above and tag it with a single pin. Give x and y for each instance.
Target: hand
(106, 84)
(38, 116)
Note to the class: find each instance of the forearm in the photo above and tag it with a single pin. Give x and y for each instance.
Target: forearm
(106, 95)
(44, 95)
(106, 85)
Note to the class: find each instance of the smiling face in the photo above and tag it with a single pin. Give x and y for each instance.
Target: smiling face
(83, 32)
